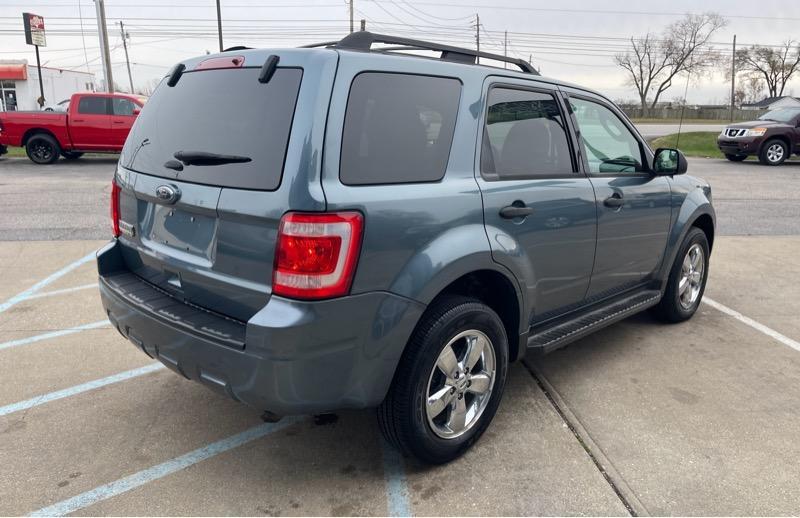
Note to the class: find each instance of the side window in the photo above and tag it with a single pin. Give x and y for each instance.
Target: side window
(122, 106)
(524, 136)
(609, 146)
(398, 128)
(93, 106)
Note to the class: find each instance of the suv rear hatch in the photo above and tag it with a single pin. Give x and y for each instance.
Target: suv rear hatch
(203, 185)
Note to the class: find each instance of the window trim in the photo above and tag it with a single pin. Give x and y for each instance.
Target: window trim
(576, 167)
(396, 72)
(105, 98)
(646, 173)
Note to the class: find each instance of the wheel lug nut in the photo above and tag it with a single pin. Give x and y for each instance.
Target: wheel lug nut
(461, 396)
(456, 376)
(453, 390)
(469, 383)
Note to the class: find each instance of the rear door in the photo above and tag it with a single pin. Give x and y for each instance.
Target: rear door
(539, 207)
(90, 123)
(206, 232)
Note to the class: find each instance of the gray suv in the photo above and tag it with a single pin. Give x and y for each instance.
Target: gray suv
(352, 226)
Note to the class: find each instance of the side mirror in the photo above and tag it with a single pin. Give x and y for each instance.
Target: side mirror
(668, 162)
(136, 111)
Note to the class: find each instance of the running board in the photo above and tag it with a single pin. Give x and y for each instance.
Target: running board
(551, 338)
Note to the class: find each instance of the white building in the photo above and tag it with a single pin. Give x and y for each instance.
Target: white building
(19, 85)
(773, 103)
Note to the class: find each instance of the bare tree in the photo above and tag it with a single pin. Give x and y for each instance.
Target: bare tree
(775, 66)
(653, 62)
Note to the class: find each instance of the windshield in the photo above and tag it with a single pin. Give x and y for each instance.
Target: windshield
(222, 112)
(782, 115)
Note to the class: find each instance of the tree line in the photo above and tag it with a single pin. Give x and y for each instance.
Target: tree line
(654, 62)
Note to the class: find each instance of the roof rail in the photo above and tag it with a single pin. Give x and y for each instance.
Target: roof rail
(363, 40)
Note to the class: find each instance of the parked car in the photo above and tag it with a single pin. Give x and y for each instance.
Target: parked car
(96, 122)
(772, 138)
(353, 228)
(58, 107)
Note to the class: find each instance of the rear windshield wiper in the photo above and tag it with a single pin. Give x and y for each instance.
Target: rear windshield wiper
(205, 158)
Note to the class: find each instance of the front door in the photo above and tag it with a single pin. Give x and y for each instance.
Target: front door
(122, 118)
(539, 209)
(633, 205)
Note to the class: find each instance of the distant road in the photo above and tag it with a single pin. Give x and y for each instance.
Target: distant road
(649, 131)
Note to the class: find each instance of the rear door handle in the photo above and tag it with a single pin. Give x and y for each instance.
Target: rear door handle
(515, 211)
(614, 201)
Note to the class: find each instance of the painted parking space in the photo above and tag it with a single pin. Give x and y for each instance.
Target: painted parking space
(684, 416)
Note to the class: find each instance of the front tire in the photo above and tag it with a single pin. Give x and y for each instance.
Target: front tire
(735, 158)
(773, 152)
(449, 382)
(687, 279)
(42, 149)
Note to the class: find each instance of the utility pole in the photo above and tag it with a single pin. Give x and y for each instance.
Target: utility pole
(505, 47)
(105, 54)
(350, 3)
(733, 77)
(219, 25)
(478, 36)
(125, 46)
(363, 24)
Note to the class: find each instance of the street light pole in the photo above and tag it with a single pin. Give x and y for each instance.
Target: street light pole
(219, 25)
(105, 54)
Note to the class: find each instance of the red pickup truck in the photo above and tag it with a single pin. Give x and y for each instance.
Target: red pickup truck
(96, 122)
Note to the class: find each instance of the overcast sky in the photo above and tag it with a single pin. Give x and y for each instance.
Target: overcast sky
(572, 40)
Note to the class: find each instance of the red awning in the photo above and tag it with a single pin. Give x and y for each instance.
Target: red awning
(13, 71)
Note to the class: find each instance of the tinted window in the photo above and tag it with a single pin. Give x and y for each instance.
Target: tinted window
(609, 145)
(398, 128)
(524, 136)
(93, 105)
(122, 106)
(223, 111)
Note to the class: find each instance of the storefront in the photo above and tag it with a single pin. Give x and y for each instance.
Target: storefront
(19, 85)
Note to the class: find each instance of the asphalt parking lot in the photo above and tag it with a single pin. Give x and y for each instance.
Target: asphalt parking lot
(699, 418)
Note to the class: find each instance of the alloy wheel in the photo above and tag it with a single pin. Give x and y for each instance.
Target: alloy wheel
(691, 282)
(775, 153)
(460, 384)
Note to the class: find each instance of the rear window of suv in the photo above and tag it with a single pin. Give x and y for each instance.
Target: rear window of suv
(398, 128)
(223, 111)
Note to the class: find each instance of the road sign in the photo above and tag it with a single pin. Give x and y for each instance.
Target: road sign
(34, 29)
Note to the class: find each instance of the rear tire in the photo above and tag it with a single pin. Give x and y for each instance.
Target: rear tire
(773, 152)
(436, 416)
(42, 149)
(687, 279)
(71, 155)
(736, 158)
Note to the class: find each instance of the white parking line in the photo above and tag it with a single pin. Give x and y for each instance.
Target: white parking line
(145, 476)
(77, 389)
(16, 299)
(785, 340)
(53, 334)
(61, 292)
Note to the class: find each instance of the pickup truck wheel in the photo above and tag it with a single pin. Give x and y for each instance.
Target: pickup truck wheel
(773, 152)
(449, 382)
(735, 158)
(42, 149)
(71, 155)
(687, 279)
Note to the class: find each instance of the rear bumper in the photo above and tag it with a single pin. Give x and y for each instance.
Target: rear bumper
(296, 357)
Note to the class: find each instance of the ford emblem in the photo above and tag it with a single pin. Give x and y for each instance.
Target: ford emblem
(168, 193)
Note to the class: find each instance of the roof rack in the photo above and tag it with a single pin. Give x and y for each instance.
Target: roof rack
(363, 40)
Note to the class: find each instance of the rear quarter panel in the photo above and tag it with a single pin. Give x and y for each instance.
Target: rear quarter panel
(418, 237)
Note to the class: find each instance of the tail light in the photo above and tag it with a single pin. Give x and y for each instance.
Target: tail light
(114, 206)
(316, 254)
